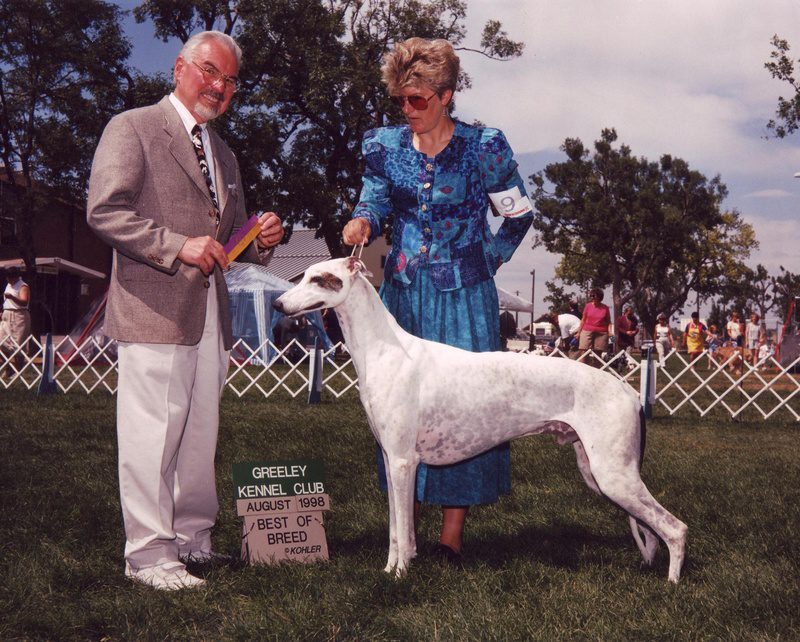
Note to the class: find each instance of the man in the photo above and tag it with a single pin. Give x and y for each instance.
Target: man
(16, 323)
(167, 203)
(567, 326)
(627, 326)
(508, 329)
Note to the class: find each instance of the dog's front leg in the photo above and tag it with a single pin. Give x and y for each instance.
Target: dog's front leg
(391, 563)
(402, 472)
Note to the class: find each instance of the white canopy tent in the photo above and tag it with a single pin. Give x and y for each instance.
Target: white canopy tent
(513, 303)
(252, 289)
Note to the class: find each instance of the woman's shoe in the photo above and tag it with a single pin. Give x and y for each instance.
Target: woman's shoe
(448, 556)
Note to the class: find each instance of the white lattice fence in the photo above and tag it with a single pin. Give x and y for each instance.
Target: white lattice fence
(733, 385)
(700, 387)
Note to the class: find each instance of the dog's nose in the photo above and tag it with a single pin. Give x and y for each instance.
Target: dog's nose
(277, 305)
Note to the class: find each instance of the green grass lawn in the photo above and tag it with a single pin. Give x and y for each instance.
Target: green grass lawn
(552, 561)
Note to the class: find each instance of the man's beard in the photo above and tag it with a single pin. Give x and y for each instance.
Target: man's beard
(209, 113)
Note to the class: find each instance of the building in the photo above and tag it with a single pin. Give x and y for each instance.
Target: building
(71, 265)
(290, 260)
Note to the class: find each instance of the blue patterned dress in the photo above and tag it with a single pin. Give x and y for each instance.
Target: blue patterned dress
(438, 278)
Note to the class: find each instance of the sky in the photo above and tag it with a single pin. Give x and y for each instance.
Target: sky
(679, 77)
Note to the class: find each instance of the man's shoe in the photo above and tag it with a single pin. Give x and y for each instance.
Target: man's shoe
(171, 576)
(207, 557)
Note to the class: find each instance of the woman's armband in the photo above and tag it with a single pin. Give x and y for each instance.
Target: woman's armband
(510, 203)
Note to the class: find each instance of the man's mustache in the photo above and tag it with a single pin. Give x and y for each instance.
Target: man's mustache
(214, 94)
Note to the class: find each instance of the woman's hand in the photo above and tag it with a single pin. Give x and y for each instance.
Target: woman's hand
(356, 232)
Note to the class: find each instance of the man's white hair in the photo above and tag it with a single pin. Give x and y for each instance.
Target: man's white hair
(188, 49)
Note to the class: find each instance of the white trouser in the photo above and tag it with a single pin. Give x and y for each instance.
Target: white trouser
(167, 421)
(662, 348)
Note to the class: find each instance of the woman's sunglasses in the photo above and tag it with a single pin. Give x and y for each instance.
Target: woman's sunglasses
(420, 103)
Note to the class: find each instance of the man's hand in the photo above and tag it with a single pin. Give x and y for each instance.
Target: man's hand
(356, 232)
(271, 230)
(203, 252)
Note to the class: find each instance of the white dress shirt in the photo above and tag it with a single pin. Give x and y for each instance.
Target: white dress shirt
(189, 122)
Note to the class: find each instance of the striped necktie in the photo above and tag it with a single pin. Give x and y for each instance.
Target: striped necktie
(197, 141)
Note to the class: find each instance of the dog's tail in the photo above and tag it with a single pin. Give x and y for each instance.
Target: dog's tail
(645, 539)
(642, 435)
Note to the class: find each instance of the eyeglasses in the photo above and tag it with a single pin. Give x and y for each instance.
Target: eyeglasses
(420, 103)
(213, 76)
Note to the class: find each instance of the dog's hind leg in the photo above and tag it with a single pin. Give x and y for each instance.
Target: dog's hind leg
(584, 467)
(624, 487)
(646, 540)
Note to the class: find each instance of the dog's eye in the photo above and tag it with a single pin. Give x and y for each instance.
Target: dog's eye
(327, 281)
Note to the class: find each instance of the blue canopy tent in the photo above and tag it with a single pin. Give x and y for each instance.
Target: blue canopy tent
(252, 289)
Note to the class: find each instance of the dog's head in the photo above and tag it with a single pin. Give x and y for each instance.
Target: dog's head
(324, 285)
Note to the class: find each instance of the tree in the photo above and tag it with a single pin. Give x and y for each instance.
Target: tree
(63, 74)
(753, 292)
(759, 292)
(654, 232)
(782, 67)
(786, 288)
(563, 302)
(311, 88)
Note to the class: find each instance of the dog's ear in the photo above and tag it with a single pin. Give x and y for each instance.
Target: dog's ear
(355, 265)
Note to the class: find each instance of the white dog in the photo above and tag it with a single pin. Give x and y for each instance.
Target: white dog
(432, 403)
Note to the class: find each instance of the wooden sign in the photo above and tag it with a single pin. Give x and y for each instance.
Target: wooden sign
(281, 503)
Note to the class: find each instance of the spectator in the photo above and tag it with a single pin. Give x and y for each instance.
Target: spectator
(694, 338)
(334, 331)
(765, 351)
(626, 328)
(712, 344)
(755, 335)
(15, 326)
(594, 328)
(663, 339)
(734, 330)
(566, 325)
(508, 329)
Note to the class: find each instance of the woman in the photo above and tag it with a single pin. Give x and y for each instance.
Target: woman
(15, 326)
(712, 343)
(595, 324)
(694, 338)
(663, 338)
(755, 334)
(438, 177)
(734, 330)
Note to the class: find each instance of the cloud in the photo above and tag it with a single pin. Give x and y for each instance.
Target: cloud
(777, 244)
(681, 77)
(769, 193)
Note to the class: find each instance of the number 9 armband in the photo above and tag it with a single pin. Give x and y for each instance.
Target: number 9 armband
(510, 203)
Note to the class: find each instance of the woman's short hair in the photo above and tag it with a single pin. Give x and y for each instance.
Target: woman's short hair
(418, 61)
(596, 292)
(188, 49)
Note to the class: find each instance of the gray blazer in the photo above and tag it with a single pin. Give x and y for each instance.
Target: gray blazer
(146, 197)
